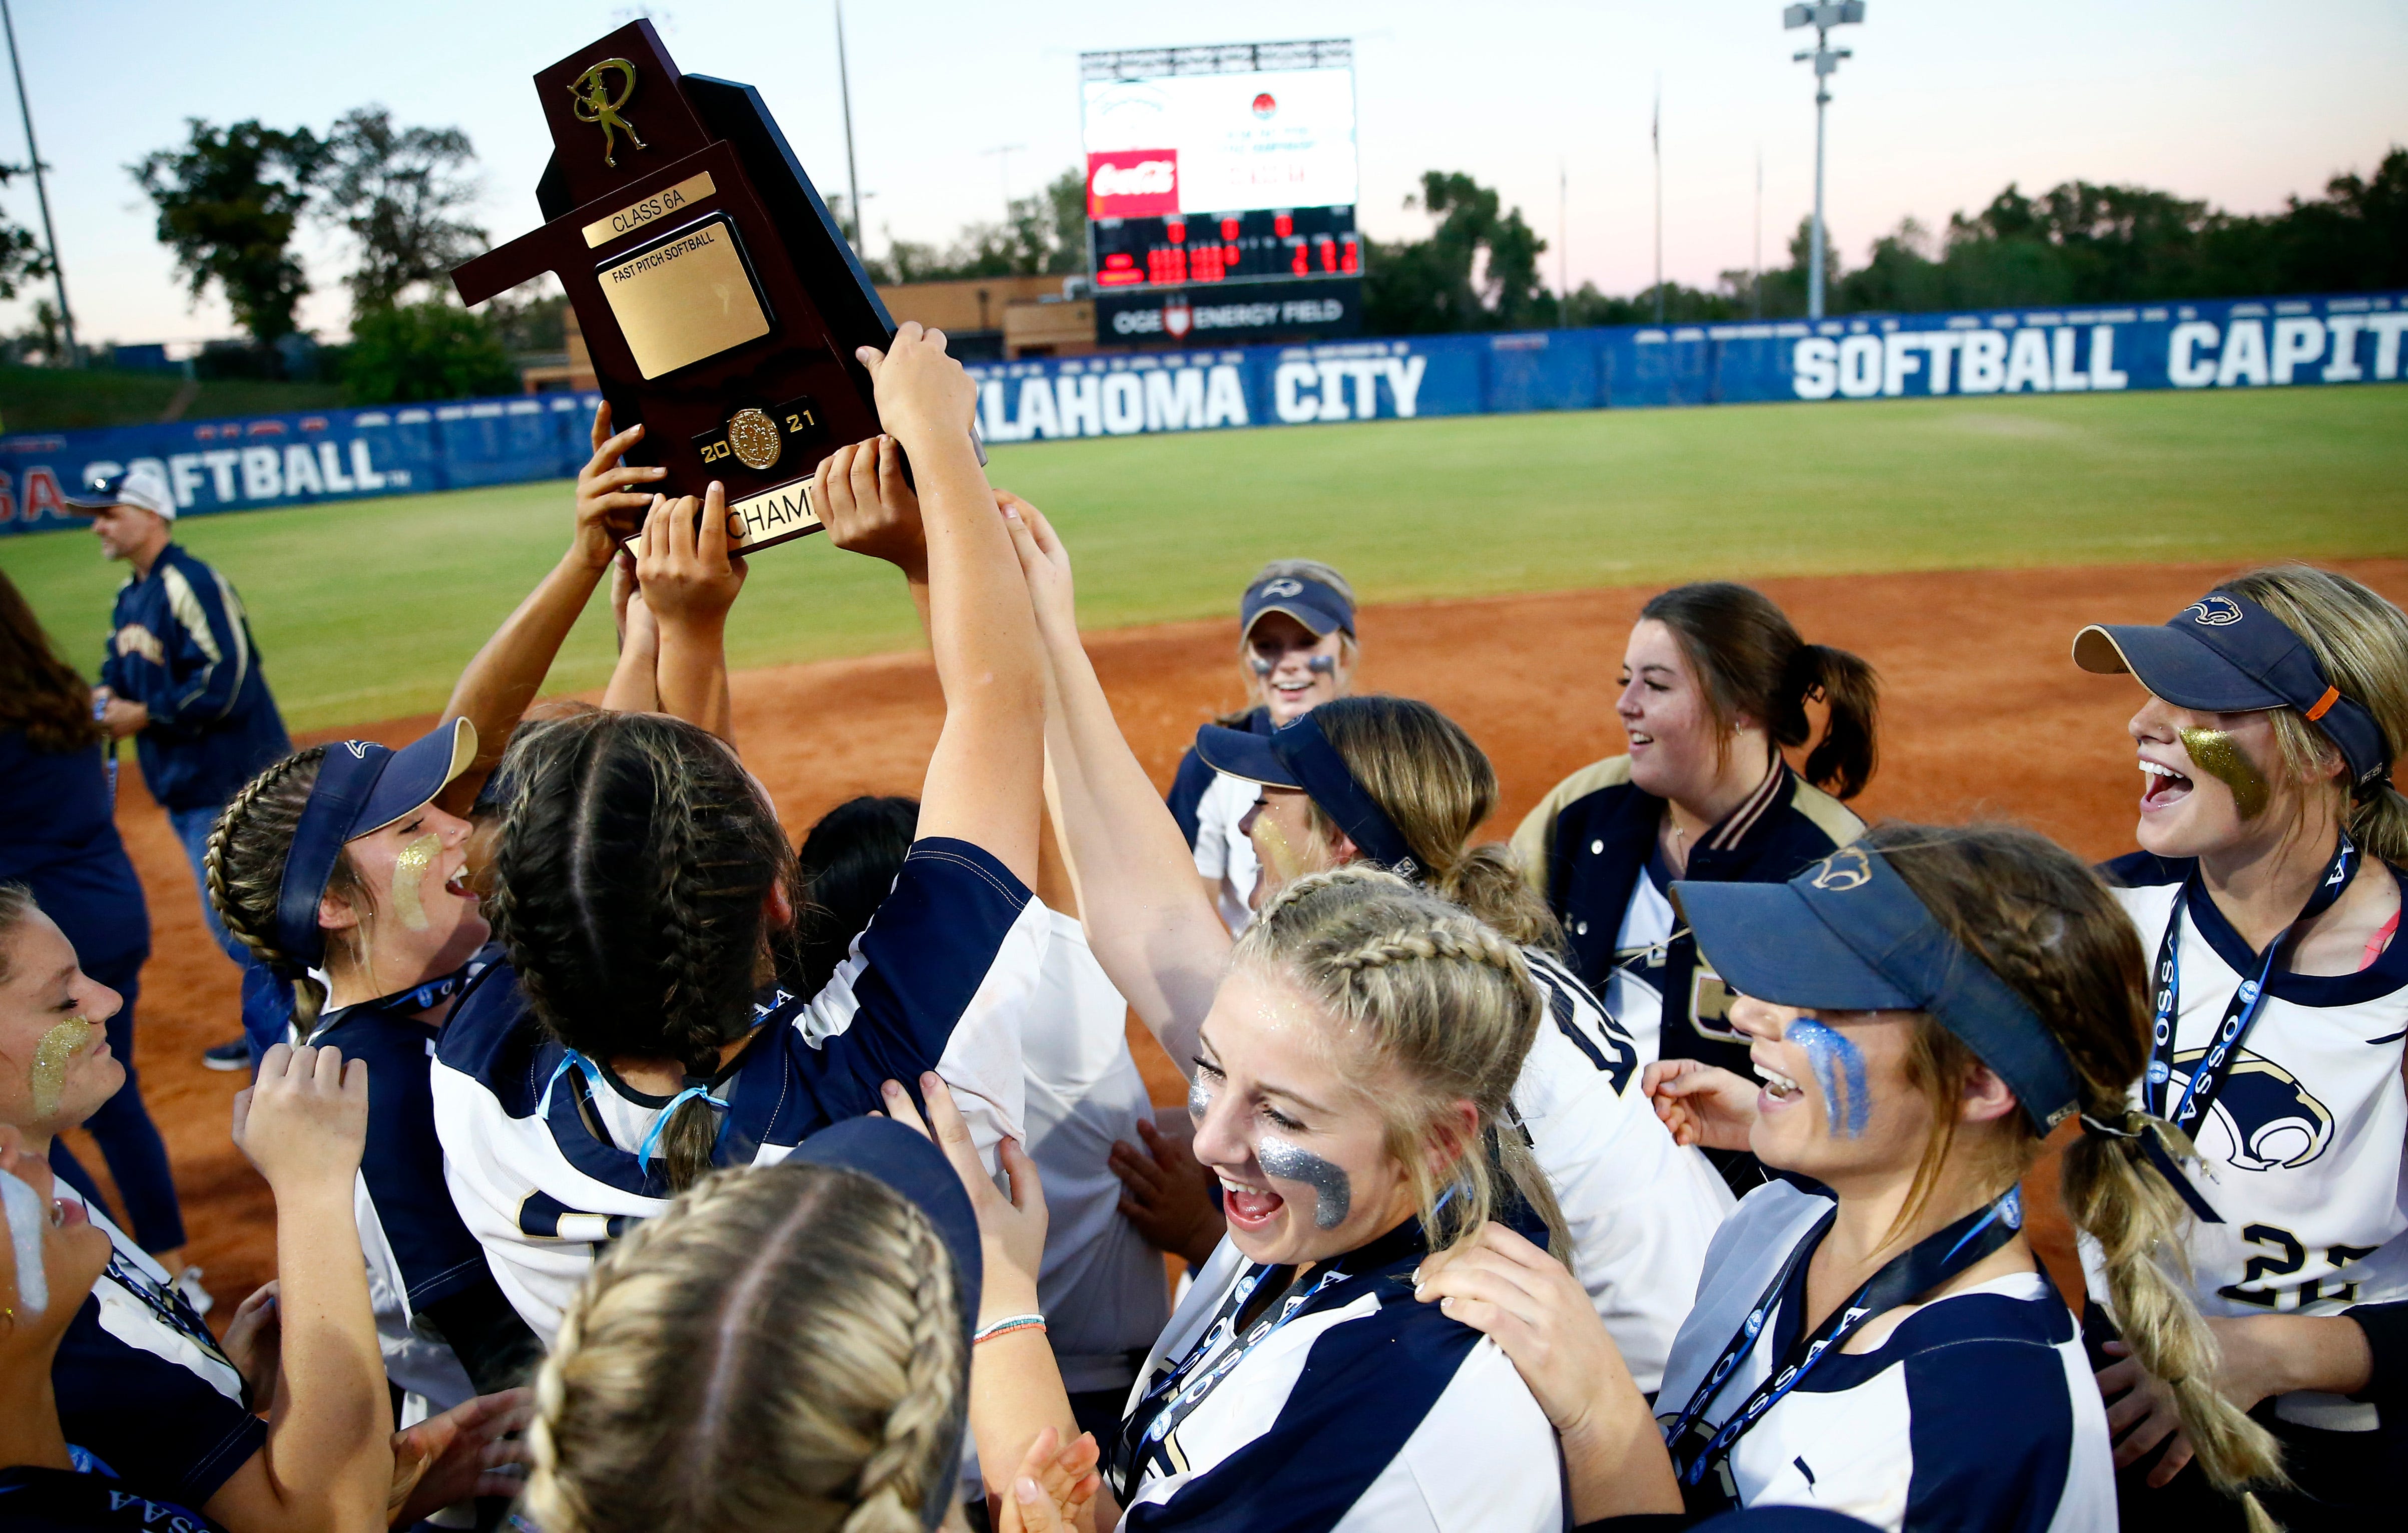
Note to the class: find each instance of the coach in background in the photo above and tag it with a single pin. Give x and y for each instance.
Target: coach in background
(182, 676)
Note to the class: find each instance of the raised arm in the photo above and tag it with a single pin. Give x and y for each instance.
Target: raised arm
(504, 677)
(983, 783)
(1149, 921)
(328, 1461)
(690, 578)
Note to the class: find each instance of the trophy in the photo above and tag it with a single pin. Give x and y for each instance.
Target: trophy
(720, 301)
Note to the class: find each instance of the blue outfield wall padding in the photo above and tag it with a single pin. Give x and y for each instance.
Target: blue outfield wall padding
(400, 450)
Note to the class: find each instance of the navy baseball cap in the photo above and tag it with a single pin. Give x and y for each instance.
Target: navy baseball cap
(362, 787)
(1316, 604)
(2224, 653)
(1848, 934)
(1299, 755)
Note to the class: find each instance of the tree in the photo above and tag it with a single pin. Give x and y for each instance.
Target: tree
(399, 192)
(1043, 233)
(22, 260)
(432, 349)
(228, 201)
(1478, 270)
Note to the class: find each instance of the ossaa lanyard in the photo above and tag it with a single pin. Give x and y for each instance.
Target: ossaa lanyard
(1185, 1393)
(2208, 1075)
(1932, 1262)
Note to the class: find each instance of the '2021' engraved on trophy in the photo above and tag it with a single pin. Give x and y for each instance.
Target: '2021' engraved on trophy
(596, 105)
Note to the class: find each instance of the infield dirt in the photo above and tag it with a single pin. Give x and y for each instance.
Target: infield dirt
(1983, 714)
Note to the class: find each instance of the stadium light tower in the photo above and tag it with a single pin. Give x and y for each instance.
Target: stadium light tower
(1822, 18)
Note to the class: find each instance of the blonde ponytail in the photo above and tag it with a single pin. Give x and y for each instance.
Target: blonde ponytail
(2041, 922)
(2112, 1194)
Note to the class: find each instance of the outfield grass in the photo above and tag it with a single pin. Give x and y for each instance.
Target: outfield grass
(369, 610)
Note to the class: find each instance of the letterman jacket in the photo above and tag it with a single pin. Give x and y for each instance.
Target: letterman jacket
(179, 644)
(1588, 844)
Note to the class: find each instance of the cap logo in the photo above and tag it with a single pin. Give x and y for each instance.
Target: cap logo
(2214, 611)
(1284, 587)
(1842, 871)
(358, 750)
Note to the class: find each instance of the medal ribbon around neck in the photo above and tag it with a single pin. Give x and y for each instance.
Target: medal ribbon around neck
(1187, 1389)
(1933, 1261)
(2208, 1075)
(171, 1308)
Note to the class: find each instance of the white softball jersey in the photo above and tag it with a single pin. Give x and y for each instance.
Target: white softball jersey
(1225, 853)
(2306, 1149)
(541, 1154)
(1099, 1285)
(1641, 1209)
(1976, 1414)
(1365, 1411)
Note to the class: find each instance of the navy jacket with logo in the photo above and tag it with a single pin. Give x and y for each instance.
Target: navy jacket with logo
(179, 644)
(1586, 846)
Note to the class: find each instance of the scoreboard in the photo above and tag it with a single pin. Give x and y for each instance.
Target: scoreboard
(1220, 190)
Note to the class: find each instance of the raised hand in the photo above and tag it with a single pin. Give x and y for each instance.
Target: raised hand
(866, 507)
(304, 1118)
(685, 572)
(1046, 565)
(1011, 1230)
(608, 507)
(924, 396)
(1701, 1104)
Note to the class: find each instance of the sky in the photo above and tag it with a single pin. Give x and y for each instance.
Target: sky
(1943, 102)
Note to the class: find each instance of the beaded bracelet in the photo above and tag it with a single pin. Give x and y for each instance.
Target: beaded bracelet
(1008, 1324)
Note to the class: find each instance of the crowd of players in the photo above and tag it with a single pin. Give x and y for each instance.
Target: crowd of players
(634, 1171)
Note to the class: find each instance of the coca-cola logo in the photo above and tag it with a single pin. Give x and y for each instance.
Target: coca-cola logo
(1133, 183)
(1155, 175)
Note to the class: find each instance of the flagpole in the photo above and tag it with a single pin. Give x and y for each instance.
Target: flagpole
(1655, 134)
(1564, 243)
(852, 173)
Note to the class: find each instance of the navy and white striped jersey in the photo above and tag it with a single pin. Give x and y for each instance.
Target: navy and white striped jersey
(142, 1387)
(419, 1254)
(1976, 1414)
(542, 1159)
(1365, 1411)
(1640, 1209)
(2306, 1149)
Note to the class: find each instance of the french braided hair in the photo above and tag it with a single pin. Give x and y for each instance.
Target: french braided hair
(1444, 1010)
(782, 1350)
(631, 869)
(2045, 925)
(1436, 786)
(244, 869)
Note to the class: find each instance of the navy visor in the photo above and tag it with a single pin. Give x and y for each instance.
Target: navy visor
(2224, 653)
(1848, 934)
(1299, 755)
(362, 787)
(1318, 607)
